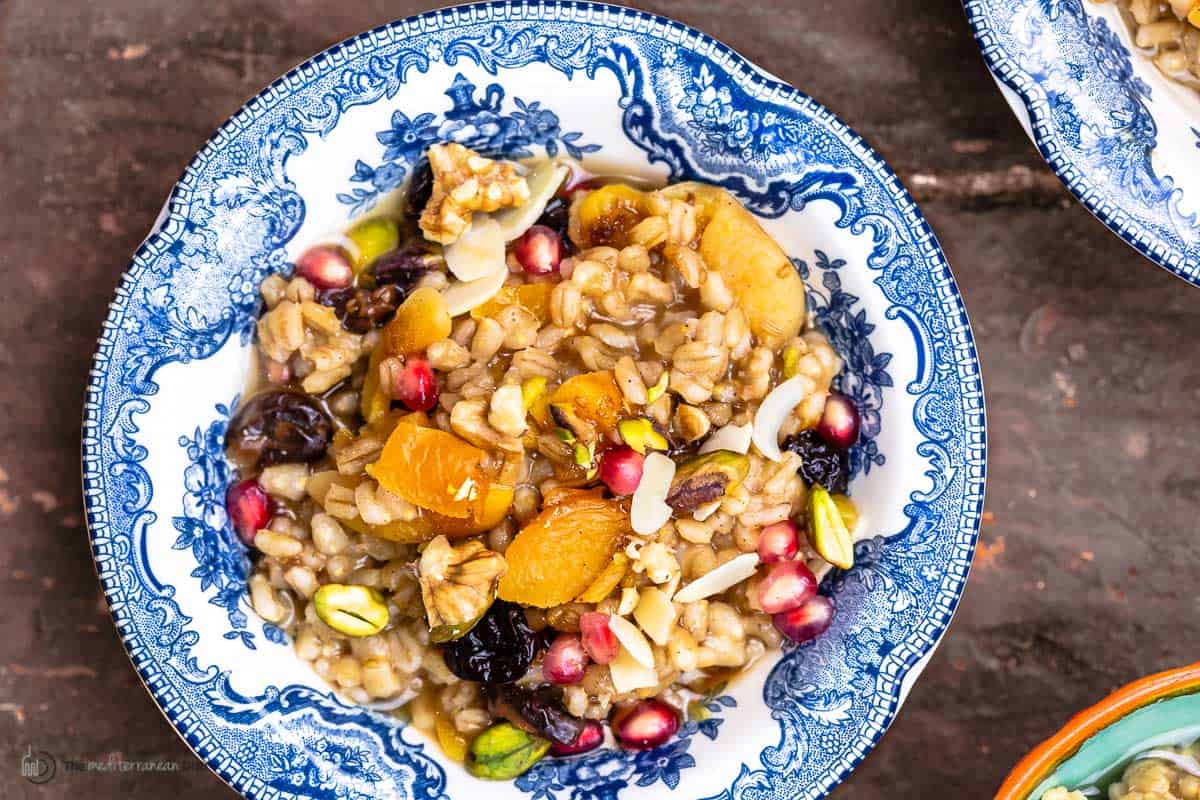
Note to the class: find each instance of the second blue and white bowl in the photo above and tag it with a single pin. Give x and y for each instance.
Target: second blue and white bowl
(1123, 138)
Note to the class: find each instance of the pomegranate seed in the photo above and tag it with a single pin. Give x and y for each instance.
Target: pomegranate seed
(806, 622)
(591, 737)
(621, 469)
(325, 267)
(565, 661)
(249, 509)
(645, 725)
(538, 250)
(839, 422)
(788, 585)
(779, 542)
(598, 640)
(415, 386)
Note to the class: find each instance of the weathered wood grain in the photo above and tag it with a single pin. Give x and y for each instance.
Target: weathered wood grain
(1086, 573)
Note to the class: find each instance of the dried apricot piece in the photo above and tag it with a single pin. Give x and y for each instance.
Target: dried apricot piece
(607, 581)
(487, 515)
(432, 469)
(533, 297)
(375, 403)
(492, 506)
(585, 404)
(765, 283)
(422, 319)
(767, 287)
(562, 494)
(606, 215)
(453, 743)
(563, 550)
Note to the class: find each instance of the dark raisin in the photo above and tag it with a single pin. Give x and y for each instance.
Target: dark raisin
(403, 266)
(419, 190)
(822, 463)
(556, 217)
(279, 427)
(536, 711)
(499, 649)
(360, 310)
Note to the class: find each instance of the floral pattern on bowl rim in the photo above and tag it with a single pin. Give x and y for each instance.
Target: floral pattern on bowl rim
(1123, 138)
(172, 360)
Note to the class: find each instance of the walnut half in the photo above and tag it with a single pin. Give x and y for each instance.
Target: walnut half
(465, 182)
(458, 585)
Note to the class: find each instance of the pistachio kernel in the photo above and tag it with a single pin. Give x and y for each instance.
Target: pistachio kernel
(848, 511)
(705, 478)
(503, 752)
(585, 455)
(640, 434)
(352, 610)
(373, 238)
(657, 390)
(827, 530)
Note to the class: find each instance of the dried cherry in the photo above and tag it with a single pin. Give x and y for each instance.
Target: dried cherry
(537, 711)
(822, 463)
(360, 310)
(279, 427)
(419, 190)
(556, 217)
(499, 649)
(403, 266)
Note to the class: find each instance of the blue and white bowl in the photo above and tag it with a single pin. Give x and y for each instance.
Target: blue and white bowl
(625, 91)
(1122, 137)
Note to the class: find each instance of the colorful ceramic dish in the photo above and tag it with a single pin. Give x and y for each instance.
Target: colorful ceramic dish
(325, 148)
(1120, 133)
(1139, 743)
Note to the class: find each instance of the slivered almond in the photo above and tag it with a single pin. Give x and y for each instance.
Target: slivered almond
(775, 409)
(479, 252)
(632, 640)
(649, 510)
(462, 296)
(730, 437)
(729, 574)
(628, 675)
(655, 614)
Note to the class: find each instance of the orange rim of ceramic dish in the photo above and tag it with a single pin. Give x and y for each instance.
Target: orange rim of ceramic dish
(1043, 759)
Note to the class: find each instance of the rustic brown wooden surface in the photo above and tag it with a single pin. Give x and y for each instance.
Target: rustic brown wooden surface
(1086, 575)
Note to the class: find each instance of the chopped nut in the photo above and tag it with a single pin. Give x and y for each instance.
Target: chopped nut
(691, 423)
(458, 585)
(658, 562)
(705, 478)
(639, 433)
(352, 610)
(465, 182)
